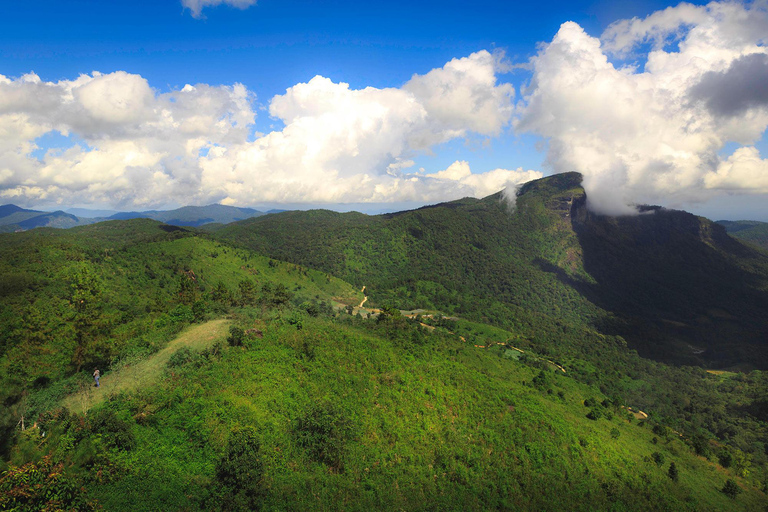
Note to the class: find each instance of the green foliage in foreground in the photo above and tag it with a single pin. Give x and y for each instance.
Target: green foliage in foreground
(90, 297)
(345, 414)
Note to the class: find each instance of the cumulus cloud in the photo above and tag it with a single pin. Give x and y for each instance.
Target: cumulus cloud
(196, 6)
(654, 134)
(484, 184)
(741, 87)
(137, 147)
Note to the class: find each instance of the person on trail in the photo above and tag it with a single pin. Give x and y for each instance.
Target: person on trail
(96, 375)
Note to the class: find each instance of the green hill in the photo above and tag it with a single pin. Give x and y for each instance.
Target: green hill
(750, 231)
(236, 381)
(672, 284)
(340, 414)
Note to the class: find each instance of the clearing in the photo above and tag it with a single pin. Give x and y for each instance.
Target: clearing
(145, 372)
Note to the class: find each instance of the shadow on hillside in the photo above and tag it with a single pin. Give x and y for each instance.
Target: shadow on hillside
(681, 290)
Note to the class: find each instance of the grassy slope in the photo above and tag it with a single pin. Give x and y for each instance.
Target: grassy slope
(137, 267)
(437, 422)
(131, 375)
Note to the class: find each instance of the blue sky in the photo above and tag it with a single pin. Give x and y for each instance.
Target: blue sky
(272, 46)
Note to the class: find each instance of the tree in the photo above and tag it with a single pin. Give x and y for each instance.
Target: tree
(84, 293)
(240, 471)
(731, 489)
(673, 474)
(246, 292)
(236, 336)
(41, 485)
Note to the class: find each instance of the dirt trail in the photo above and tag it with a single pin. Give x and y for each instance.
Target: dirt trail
(365, 298)
(145, 372)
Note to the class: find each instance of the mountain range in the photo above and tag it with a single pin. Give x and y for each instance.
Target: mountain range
(14, 218)
(504, 353)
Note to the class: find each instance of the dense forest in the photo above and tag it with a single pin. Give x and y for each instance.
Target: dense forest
(534, 357)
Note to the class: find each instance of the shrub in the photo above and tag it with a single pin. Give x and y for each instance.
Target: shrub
(236, 336)
(181, 357)
(240, 471)
(116, 432)
(658, 458)
(323, 431)
(731, 489)
(673, 473)
(725, 458)
(595, 414)
(41, 485)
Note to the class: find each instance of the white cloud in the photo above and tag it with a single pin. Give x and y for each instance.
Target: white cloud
(654, 135)
(483, 184)
(196, 6)
(143, 148)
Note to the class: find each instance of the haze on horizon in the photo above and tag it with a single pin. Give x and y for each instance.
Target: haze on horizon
(193, 103)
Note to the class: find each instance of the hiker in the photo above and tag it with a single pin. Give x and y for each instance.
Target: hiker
(96, 375)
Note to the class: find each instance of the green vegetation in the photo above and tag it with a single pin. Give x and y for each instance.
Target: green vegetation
(234, 381)
(349, 413)
(749, 231)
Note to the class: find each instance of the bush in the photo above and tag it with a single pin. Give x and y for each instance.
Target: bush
(41, 485)
(240, 471)
(658, 458)
(323, 431)
(116, 432)
(181, 357)
(595, 414)
(236, 336)
(731, 489)
(725, 458)
(673, 473)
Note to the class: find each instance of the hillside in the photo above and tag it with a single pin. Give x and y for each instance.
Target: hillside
(517, 399)
(672, 284)
(750, 231)
(338, 413)
(80, 298)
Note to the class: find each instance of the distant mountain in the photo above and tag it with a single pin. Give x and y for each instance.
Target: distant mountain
(57, 219)
(193, 215)
(11, 215)
(14, 218)
(90, 214)
(751, 231)
(674, 285)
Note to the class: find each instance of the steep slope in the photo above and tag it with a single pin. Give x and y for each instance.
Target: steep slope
(675, 286)
(340, 414)
(751, 231)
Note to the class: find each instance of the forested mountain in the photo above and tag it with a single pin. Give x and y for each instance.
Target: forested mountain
(13, 218)
(240, 379)
(193, 215)
(674, 285)
(750, 231)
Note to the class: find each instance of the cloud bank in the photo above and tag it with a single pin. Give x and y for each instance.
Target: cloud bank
(137, 148)
(655, 134)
